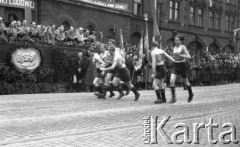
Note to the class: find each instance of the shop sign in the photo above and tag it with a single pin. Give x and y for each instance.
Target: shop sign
(119, 6)
(18, 3)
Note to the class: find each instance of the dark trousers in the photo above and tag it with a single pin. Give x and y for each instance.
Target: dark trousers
(214, 78)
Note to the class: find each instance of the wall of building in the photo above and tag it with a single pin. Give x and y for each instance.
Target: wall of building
(82, 14)
(204, 34)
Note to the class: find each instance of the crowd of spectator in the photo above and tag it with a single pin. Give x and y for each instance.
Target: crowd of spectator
(204, 68)
(18, 31)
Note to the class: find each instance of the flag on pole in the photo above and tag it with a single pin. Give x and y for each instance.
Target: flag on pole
(146, 44)
(152, 4)
(121, 43)
(210, 3)
(138, 63)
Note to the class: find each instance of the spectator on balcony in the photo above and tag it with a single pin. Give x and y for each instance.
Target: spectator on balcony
(78, 37)
(60, 35)
(70, 35)
(51, 36)
(19, 28)
(34, 34)
(24, 31)
(11, 32)
(43, 34)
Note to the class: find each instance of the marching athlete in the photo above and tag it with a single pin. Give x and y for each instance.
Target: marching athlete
(158, 68)
(107, 58)
(112, 42)
(122, 73)
(98, 63)
(180, 53)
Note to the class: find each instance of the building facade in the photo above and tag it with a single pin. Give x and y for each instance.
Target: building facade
(203, 25)
(17, 10)
(104, 17)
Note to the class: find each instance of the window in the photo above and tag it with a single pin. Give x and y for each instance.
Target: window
(211, 20)
(174, 11)
(11, 17)
(192, 16)
(232, 23)
(218, 21)
(228, 22)
(200, 17)
(110, 33)
(66, 25)
(90, 28)
(138, 7)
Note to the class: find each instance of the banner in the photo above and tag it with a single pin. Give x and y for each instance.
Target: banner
(138, 63)
(18, 3)
(146, 44)
(119, 6)
(152, 4)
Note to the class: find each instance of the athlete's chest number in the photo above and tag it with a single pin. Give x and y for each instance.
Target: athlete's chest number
(159, 58)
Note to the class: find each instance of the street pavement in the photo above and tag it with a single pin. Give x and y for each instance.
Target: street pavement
(82, 120)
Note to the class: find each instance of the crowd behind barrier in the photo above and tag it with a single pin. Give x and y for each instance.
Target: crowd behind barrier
(18, 31)
(204, 68)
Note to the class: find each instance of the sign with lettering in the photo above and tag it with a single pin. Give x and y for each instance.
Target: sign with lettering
(119, 6)
(18, 3)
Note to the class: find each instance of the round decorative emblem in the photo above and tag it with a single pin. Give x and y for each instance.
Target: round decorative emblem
(26, 59)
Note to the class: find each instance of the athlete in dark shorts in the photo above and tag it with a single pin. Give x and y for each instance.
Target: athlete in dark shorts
(159, 71)
(106, 57)
(179, 67)
(112, 42)
(122, 73)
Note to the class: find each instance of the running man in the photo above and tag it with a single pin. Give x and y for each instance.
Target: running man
(98, 63)
(122, 73)
(107, 58)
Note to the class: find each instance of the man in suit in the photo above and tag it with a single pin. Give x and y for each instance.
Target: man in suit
(83, 64)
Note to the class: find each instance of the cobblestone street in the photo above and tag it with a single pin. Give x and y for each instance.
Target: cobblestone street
(81, 120)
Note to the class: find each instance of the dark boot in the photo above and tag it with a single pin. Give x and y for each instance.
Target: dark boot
(137, 94)
(127, 91)
(189, 88)
(163, 95)
(159, 98)
(111, 91)
(121, 94)
(98, 92)
(173, 100)
(104, 92)
(74, 87)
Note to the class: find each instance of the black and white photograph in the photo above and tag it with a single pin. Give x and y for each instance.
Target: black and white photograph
(119, 73)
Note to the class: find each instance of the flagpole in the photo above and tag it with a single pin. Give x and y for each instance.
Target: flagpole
(146, 72)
